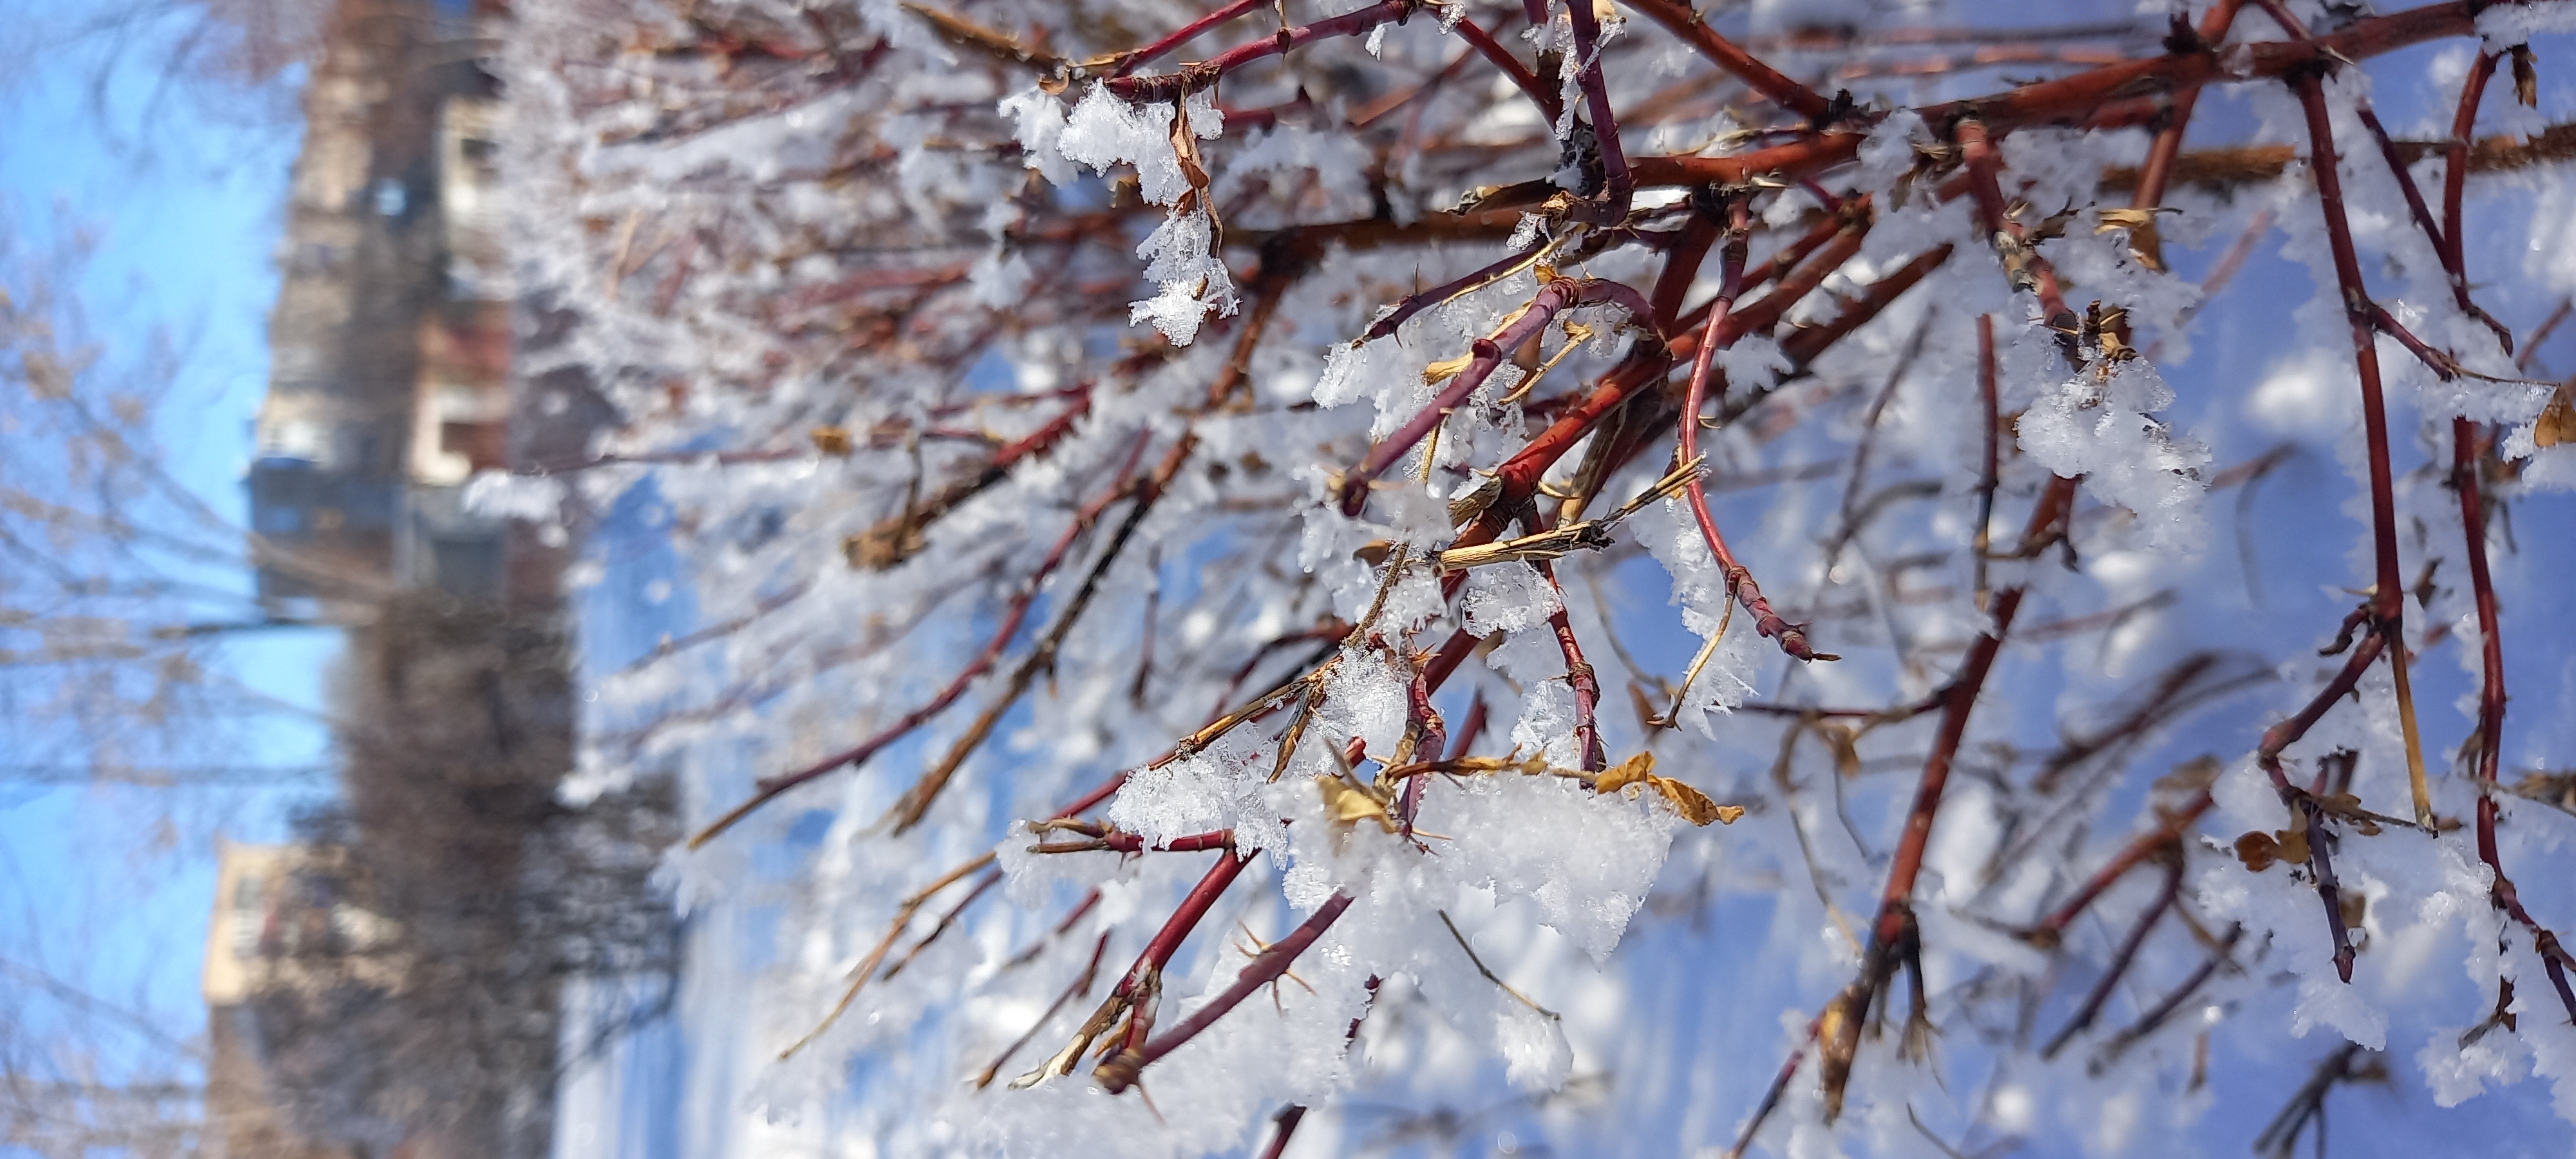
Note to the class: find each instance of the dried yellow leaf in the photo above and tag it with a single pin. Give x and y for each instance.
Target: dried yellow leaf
(1349, 806)
(2144, 243)
(2558, 421)
(2127, 218)
(1445, 369)
(1694, 806)
(1635, 770)
(832, 440)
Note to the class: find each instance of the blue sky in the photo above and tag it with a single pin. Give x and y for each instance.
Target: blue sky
(180, 187)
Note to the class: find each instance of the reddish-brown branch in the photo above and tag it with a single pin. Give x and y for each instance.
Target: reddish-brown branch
(2148, 1022)
(1119, 842)
(1081, 985)
(1580, 677)
(770, 788)
(1119, 1072)
(1176, 929)
(1892, 930)
(1486, 354)
(2448, 252)
(2072, 99)
(1740, 584)
(1619, 186)
(1802, 346)
(2023, 264)
(1549, 106)
(1283, 1126)
(1519, 476)
(2268, 755)
(2158, 169)
(2121, 959)
(1421, 300)
(2455, 169)
(1129, 61)
(1771, 1095)
(2167, 835)
(1685, 23)
(2387, 603)
(917, 800)
(1681, 265)
(898, 537)
(2491, 701)
(1204, 74)
(1989, 473)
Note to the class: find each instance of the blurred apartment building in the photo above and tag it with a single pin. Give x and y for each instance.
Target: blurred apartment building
(391, 337)
(282, 924)
(390, 386)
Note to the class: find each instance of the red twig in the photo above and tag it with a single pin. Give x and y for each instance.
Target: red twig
(1740, 585)
(1197, 77)
(1761, 78)
(1081, 985)
(768, 789)
(1892, 932)
(1989, 473)
(2167, 835)
(1485, 355)
(1284, 1125)
(2119, 965)
(1485, 45)
(2268, 755)
(1580, 677)
(1119, 1072)
(2491, 699)
(1423, 300)
(2388, 597)
(1130, 61)
(1680, 267)
(2455, 167)
(1619, 185)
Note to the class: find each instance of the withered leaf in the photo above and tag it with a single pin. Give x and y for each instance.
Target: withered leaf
(1185, 148)
(2130, 218)
(2526, 77)
(1445, 369)
(2293, 843)
(2558, 421)
(2144, 242)
(2257, 850)
(1695, 806)
(2347, 806)
(832, 440)
(1635, 770)
(1349, 806)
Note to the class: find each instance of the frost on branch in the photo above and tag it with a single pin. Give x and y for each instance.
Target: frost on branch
(2100, 426)
(1278, 660)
